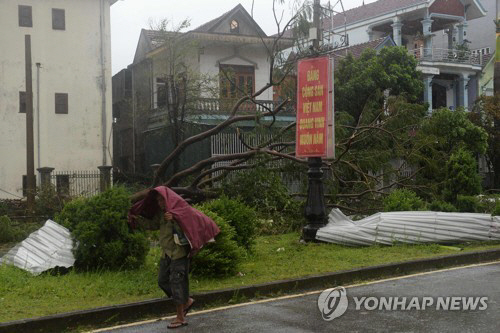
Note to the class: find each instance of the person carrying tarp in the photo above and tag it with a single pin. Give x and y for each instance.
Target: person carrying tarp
(183, 232)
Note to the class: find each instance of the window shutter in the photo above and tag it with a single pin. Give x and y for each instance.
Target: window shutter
(61, 103)
(25, 18)
(58, 19)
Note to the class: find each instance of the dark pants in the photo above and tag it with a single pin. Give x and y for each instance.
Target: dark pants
(173, 279)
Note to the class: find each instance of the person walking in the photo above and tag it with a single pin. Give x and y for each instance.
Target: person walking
(183, 231)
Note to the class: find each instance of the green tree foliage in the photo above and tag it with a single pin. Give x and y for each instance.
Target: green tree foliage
(361, 82)
(469, 204)
(441, 135)
(487, 115)
(259, 188)
(461, 175)
(496, 210)
(222, 257)
(375, 124)
(99, 228)
(442, 206)
(240, 216)
(403, 200)
(264, 190)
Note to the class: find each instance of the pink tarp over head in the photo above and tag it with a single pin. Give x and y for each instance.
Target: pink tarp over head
(198, 228)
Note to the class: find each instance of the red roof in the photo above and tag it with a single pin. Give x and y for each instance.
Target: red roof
(357, 49)
(370, 10)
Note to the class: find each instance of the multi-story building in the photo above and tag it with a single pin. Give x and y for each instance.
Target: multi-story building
(232, 43)
(452, 40)
(71, 57)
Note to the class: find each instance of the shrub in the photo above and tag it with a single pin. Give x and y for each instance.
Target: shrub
(4, 209)
(222, 257)
(8, 232)
(496, 210)
(265, 192)
(462, 177)
(99, 227)
(403, 200)
(47, 202)
(442, 206)
(261, 189)
(469, 204)
(240, 216)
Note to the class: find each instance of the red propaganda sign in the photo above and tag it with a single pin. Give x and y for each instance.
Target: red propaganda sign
(315, 137)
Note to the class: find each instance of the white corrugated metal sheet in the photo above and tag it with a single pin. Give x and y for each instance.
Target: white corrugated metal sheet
(48, 247)
(409, 227)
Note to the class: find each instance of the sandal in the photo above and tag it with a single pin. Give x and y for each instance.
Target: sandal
(177, 324)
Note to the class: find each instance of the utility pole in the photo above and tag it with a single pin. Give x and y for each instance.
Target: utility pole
(316, 23)
(30, 158)
(315, 210)
(496, 81)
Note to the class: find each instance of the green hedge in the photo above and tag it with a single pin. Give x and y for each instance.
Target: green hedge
(99, 227)
(403, 200)
(222, 257)
(240, 216)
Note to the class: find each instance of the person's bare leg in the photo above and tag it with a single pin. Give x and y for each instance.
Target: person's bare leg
(189, 302)
(180, 313)
(180, 319)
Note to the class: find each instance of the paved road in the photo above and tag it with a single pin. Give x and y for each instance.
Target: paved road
(301, 314)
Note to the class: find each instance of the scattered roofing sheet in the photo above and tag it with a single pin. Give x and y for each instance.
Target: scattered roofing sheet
(409, 227)
(48, 247)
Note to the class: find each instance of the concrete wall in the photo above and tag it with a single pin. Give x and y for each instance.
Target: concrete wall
(70, 63)
(254, 54)
(480, 32)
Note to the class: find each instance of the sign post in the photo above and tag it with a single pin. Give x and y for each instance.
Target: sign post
(315, 133)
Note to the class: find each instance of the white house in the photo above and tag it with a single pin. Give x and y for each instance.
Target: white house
(71, 56)
(232, 42)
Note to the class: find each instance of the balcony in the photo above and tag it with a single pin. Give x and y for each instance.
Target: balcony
(216, 106)
(450, 56)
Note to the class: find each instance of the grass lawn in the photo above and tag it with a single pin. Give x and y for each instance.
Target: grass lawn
(24, 296)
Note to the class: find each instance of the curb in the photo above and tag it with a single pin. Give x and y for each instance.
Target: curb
(160, 307)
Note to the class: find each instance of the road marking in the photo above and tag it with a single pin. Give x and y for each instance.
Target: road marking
(289, 296)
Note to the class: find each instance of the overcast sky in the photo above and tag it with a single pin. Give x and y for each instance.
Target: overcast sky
(128, 17)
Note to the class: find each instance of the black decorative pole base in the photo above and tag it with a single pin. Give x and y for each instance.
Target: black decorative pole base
(315, 210)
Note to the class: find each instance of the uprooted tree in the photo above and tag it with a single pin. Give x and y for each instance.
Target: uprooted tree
(377, 116)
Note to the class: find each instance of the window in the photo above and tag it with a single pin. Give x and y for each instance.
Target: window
(58, 19)
(61, 102)
(234, 27)
(236, 81)
(22, 102)
(25, 19)
(160, 96)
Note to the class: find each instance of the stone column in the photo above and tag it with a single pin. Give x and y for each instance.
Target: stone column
(463, 92)
(105, 177)
(451, 32)
(428, 91)
(462, 32)
(427, 31)
(370, 33)
(396, 31)
(45, 176)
